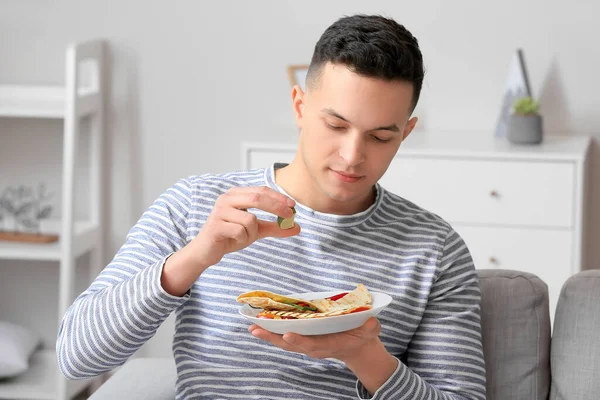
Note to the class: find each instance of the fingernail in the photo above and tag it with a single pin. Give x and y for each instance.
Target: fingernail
(255, 333)
(290, 202)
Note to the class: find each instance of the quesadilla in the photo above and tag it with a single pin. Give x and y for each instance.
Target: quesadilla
(277, 306)
(296, 315)
(343, 301)
(272, 301)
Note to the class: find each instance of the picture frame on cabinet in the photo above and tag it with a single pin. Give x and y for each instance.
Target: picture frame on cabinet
(297, 75)
(516, 86)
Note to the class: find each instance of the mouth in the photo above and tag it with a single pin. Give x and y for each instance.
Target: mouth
(345, 177)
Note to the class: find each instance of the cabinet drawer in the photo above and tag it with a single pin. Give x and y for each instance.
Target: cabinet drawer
(535, 194)
(545, 253)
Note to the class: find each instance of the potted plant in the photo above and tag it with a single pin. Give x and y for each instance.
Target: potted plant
(27, 210)
(525, 123)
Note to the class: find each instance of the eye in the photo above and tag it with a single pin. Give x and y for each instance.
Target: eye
(381, 140)
(334, 127)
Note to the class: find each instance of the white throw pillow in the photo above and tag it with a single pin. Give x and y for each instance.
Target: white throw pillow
(16, 346)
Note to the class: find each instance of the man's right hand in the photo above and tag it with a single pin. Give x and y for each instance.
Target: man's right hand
(229, 227)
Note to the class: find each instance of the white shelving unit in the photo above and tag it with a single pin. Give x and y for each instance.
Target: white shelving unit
(81, 96)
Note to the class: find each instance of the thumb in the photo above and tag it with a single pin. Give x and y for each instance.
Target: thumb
(266, 229)
(372, 326)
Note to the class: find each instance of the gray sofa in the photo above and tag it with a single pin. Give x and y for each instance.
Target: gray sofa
(522, 361)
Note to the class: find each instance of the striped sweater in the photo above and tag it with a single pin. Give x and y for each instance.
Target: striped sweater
(432, 325)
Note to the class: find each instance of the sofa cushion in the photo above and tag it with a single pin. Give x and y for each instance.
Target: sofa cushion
(17, 344)
(140, 379)
(515, 323)
(575, 354)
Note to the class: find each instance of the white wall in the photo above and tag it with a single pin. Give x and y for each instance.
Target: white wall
(185, 73)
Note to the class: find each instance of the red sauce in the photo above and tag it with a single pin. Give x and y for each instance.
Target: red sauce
(363, 308)
(337, 296)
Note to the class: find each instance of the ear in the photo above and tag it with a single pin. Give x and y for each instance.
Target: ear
(410, 125)
(298, 97)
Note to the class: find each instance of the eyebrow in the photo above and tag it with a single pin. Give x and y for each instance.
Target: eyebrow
(393, 127)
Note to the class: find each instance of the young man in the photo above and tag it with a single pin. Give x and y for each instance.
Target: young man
(210, 238)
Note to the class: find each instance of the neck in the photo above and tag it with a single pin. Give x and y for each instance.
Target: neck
(297, 182)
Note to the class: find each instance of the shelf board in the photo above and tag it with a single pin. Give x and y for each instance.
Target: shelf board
(40, 382)
(32, 101)
(85, 238)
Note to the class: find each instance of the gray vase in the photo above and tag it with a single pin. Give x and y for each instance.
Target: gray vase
(525, 129)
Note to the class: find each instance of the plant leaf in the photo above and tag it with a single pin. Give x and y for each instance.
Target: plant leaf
(44, 212)
(27, 223)
(24, 208)
(43, 193)
(7, 205)
(9, 192)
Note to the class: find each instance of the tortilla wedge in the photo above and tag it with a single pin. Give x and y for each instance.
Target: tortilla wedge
(273, 301)
(356, 298)
(296, 315)
(343, 303)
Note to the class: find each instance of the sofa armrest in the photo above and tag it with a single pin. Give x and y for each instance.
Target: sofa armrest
(141, 378)
(575, 352)
(515, 323)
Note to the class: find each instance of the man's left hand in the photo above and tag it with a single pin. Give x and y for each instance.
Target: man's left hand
(343, 346)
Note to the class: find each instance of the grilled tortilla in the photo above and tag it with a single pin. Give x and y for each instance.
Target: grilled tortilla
(273, 301)
(356, 298)
(343, 303)
(296, 315)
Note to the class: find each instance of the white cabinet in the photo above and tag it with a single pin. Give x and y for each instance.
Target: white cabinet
(491, 192)
(546, 253)
(80, 97)
(516, 207)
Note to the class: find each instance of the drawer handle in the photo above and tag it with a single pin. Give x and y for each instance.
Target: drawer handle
(494, 193)
(494, 260)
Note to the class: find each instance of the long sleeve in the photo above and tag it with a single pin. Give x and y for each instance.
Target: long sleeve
(445, 357)
(126, 304)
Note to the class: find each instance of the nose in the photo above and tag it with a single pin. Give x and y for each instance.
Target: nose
(352, 150)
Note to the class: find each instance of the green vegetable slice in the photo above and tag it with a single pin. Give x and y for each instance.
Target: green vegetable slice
(287, 223)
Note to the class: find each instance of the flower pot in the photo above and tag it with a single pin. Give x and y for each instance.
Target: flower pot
(525, 129)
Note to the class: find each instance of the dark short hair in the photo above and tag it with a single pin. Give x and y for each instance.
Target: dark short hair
(372, 46)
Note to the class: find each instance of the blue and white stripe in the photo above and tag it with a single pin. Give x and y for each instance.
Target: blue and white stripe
(433, 324)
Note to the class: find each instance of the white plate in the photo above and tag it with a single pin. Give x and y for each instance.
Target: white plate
(318, 326)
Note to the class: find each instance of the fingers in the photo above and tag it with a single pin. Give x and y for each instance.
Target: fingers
(264, 190)
(274, 339)
(371, 328)
(237, 232)
(262, 198)
(254, 228)
(317, 346)
(266, 229)
(372, 325)
(240, 225)
(312, 344)
(334, 345)
(230, 227)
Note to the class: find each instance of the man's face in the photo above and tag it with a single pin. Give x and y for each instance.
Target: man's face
(351, 128)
